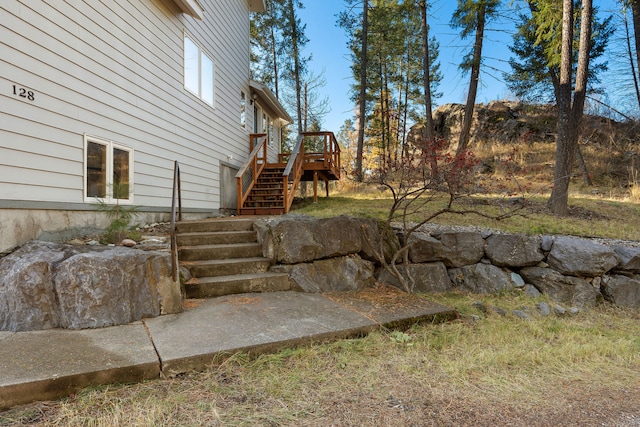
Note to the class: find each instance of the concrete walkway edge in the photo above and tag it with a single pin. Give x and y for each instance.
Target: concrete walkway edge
(52, 364)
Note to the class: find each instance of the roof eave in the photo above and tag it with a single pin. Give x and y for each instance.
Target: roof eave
(191, 7)
(268, 97)
(257, 6)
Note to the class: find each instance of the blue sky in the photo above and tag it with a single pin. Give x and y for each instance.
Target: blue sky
(327, 45)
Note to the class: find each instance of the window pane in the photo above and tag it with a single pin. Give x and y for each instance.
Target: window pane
(243, 109)
(207, 79)
(120, 174)
(96, 170)
(191, 66)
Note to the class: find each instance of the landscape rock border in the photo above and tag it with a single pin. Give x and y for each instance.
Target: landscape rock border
(578, 272)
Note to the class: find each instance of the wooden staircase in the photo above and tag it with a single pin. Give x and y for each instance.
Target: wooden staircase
(267, 195)
(265, 188)
(224, 257)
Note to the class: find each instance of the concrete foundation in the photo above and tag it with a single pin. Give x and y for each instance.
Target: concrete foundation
(18, 226)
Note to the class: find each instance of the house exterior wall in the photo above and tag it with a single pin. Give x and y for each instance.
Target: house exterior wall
(113, 69)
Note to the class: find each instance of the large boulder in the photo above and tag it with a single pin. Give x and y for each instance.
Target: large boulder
(428, 277)
(28, 298)
(293, 239)
(629, 258)
(454, 248)
(481, 278)
(580, 257)
(622, 290)
(47, 285)
(514, 250)
(563, 289)
(336, 274)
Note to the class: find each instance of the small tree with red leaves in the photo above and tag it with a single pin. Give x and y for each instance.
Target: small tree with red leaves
(424, 185)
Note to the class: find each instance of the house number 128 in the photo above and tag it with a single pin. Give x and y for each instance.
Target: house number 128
(24, 93)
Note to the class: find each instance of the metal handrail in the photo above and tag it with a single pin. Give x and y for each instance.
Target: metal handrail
(251, 169)
(176, 208)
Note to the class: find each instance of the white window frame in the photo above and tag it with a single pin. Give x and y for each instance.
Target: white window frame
(201, 56)
(111, 145)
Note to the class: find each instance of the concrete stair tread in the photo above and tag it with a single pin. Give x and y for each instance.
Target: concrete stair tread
(215, 225)
(215, 233)
(221, 246)
(226, 261)
(235, 277)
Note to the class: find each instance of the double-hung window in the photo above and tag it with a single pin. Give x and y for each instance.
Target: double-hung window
(108, 171)
(198, 70)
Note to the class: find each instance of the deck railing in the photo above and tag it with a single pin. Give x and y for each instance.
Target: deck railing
(176, 213)
(248, 176)
(293, 172)
(330, 156)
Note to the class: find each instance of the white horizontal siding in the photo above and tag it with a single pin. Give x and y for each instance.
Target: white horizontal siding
(113, 69)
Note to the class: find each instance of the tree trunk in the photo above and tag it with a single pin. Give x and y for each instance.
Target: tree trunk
(635, 10)
(570, 116)
(274, 55)
(473, 84)
(296, 61)
(558, 202)
(430, 143)
(586, 178)
(630, 54)
(362, 99)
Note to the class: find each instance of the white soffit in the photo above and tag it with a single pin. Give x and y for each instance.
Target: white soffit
(191, 7)
(268, 98)
(257, 6)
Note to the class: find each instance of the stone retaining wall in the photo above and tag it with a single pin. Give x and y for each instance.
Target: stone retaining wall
(334, 254)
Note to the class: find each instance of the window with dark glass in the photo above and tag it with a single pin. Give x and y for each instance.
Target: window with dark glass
(108, 170)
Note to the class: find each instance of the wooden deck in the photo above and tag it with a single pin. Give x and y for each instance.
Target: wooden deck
(268, 188)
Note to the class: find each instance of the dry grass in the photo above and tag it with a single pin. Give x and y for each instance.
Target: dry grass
(575, 370)
(609, 208)
(589, 215)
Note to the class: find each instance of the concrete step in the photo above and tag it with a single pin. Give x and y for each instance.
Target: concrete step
(227, 267)
(209, 287)
(222, 251)
(215, 225)
(216, 237)
(262, 211)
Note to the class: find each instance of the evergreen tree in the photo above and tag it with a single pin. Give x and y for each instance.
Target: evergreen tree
(570, 109)
(471, 16)
(294, 41)
(535, 74)
(393, 79)
(266, 45)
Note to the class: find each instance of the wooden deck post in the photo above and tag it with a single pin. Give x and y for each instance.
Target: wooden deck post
(315, 187)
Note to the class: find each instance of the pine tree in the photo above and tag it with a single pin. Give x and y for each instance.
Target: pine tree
(471, 17)
(535, 74)
(570, 111)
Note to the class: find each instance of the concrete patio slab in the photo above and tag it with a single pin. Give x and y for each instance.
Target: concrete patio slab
(54, 363)
(253, 323)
